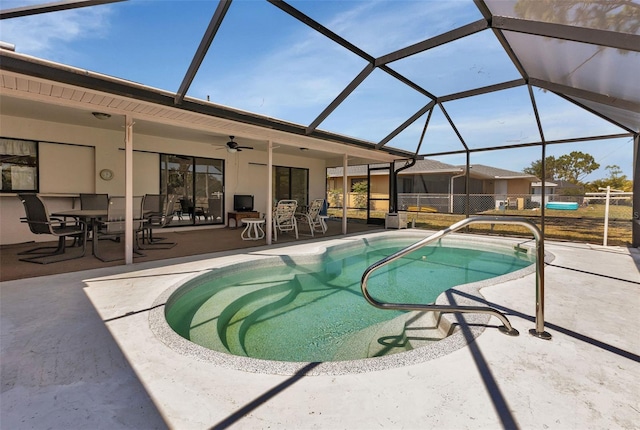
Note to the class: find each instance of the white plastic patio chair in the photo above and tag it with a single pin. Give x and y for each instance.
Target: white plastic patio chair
(284, 219)
(312, 216)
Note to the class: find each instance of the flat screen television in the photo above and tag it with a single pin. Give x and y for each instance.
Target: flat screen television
(242, 203)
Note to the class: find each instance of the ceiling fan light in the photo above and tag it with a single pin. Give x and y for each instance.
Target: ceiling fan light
(231, 150)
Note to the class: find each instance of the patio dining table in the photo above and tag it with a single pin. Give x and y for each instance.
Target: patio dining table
(89, 216)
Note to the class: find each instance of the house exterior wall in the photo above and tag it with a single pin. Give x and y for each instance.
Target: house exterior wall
(518, 186)
(379, 189)
(425, 183)
(488, 187)
(476, 186)
(501, 187)
(63, 172)
(379, 183)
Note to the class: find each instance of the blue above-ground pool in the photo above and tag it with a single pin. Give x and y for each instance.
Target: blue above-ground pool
(568, 206)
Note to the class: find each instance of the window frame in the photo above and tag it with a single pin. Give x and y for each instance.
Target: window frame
(275, 188)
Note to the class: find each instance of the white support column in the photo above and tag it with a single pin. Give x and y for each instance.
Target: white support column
(606, 216)
(345, 193)
(268, 217)
(128, 192)
(635, 225)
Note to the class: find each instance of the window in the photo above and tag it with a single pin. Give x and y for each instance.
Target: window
(406, 185)
(291, 183)
(19, 165)
(356, 181)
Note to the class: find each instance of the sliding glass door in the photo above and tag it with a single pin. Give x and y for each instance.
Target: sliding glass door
(199, 184)
(209, 188)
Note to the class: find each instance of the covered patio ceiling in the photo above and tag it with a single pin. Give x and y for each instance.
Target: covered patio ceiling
(400, 97)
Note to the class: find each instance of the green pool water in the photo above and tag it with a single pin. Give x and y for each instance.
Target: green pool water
(316, 312)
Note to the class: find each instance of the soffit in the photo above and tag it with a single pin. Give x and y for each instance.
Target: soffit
(31, 97)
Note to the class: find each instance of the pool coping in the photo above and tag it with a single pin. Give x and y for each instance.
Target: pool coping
(470, 325)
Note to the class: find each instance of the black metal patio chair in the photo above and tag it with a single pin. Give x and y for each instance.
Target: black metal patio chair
(39, 221)
(156, 220)
(114, 226)
(94, 201)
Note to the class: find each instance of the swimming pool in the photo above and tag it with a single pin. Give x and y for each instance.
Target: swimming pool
(309, 308)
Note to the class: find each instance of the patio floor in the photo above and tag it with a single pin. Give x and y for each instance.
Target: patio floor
(78, 352)
(194, 241)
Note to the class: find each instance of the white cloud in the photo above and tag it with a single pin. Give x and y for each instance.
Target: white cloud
(305, 71)
(383, 27)
(48, 35)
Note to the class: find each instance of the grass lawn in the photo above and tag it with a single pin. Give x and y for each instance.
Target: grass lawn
(583, 225)
(591, 211)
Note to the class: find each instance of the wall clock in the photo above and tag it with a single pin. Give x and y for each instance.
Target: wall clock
(106, 174)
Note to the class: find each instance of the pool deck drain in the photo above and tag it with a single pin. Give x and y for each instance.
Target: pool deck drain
(78, 352)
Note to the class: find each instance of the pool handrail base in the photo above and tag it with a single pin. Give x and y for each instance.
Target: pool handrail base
(540, 335)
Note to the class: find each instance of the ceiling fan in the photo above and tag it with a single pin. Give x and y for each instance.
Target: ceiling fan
(234, 147)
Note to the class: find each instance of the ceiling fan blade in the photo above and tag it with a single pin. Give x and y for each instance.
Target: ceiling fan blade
(245, 147)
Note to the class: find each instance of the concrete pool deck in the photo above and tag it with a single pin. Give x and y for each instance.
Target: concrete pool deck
(78, 352)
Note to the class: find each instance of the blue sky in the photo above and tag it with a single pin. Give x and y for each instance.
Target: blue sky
(266, 62)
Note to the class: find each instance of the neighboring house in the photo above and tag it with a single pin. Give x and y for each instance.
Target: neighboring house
(426, 176)
(556, 190)
(493, 180)
(566, 188)
(434, 177)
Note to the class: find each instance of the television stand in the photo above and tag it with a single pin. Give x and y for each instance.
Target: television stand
(237, 217)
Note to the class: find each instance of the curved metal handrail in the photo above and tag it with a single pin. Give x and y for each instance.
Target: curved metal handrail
(538, 331)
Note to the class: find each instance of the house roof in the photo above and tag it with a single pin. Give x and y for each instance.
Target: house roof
(554, 46)
(559, 183)
(360, 170)
(490, 172)
(421, 166)
(429, 166)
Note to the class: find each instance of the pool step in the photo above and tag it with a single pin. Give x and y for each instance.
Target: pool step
(425, 328)
(204, 325)
(256, 305)
(390, 338)
(403, 333)
(358, 344)
(408, 331)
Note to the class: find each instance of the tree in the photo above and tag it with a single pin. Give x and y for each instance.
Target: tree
(360, 188)
(335, 198)
(569, 167)
(616, 180)
(575, 166)
(536, 168)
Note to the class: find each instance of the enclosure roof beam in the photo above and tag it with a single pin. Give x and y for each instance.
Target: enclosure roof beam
(50, 7)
